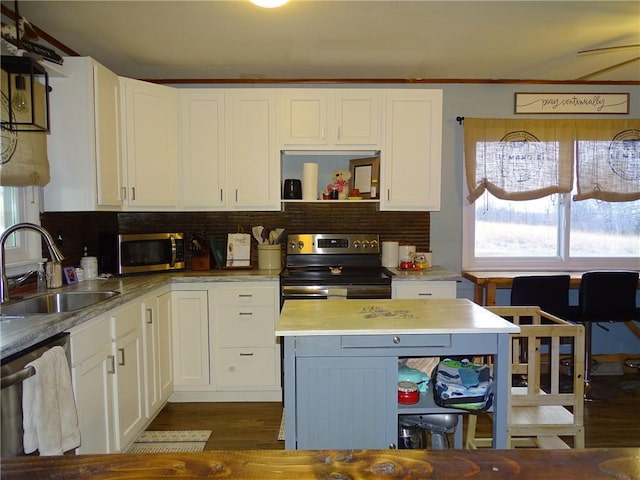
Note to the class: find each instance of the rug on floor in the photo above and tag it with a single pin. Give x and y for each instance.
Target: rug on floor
(281, 431)
(164, 441)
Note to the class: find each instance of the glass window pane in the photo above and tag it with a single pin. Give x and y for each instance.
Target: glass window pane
(506, 228)
(9, 213)
(605, 229)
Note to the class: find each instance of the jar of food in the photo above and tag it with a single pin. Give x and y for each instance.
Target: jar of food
(408, 393)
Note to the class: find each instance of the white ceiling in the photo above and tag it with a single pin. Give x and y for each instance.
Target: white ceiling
(330, 39)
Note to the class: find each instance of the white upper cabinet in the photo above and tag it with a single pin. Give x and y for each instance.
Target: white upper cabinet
(229, 157)
(253, 161)
(202, 149)
(411, 158)
(330, 119)
(151, 144)
(84, 145)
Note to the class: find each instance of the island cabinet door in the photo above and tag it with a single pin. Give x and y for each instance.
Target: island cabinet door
(346, 403)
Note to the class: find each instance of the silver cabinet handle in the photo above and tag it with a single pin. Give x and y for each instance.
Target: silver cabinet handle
(121, 356)
(392, 446)
(221, 198)
(133, 193)
(425, 294)
(396, 340)
(150, 316)
(245, 313)
(246, 354)
(245, 295)
(112, 369)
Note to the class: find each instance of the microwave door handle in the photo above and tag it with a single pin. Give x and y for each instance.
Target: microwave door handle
(174, 250)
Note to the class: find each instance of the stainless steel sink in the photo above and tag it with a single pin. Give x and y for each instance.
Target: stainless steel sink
(55, 302)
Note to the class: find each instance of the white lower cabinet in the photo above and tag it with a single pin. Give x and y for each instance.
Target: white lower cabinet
(91, 367)
(423, 289)
(225, 348)
(129, 379)
(156, 316)
(191, 364)
(122, 372)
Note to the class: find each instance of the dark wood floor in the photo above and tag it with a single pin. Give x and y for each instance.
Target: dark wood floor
(248, 426)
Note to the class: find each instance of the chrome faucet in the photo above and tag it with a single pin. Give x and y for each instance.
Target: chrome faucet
(56, 255)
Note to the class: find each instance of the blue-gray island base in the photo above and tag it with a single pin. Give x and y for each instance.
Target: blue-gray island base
(341, 365)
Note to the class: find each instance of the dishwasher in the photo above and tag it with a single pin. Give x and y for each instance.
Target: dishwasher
(14, 371)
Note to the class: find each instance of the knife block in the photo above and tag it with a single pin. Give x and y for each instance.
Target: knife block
(201, 263)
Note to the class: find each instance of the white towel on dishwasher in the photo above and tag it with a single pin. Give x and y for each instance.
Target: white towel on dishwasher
(49, 416)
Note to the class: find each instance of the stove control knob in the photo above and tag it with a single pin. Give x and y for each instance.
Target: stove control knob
(365, 244)
(374, 244)
(300, 244)
(292, 245)
(356, 244)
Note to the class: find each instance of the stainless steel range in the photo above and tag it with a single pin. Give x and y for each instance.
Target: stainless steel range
(334, 265)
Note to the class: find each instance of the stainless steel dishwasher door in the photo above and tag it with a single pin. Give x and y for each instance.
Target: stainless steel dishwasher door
(14, 371)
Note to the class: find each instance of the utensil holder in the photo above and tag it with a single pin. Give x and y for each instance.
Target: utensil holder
(269, 257)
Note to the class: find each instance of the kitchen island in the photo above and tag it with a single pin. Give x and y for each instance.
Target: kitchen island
(341, 365)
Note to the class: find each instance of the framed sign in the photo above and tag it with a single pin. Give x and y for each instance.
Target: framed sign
(550, 103)
(363, 170)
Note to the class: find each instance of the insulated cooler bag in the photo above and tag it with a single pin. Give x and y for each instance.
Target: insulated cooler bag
(462, 384)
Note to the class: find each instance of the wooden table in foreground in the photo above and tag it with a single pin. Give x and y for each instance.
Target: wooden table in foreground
(523, 464)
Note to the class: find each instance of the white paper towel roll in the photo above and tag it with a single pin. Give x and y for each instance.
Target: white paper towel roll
(310, 181)
(390, 254)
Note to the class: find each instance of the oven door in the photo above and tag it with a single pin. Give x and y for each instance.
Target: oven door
(319, 292)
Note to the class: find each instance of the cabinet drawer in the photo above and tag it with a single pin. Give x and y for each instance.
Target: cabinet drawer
(127, 319)
(89, 338)
(424, 290)
(246, 296)
(246, 367)
(398, 341)
(245, 326)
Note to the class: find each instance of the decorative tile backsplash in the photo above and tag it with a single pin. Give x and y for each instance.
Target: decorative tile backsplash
(77, 229)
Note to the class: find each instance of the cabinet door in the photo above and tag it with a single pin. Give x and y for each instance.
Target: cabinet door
(190, 338)
(151, 355)
(129, 378)
(303, 118)
(107, 130)
(346, 403)
(424, 290)
(357, 118)
(411, 155)
(92, 367)
(253, 171)
(151, 125)
(94, 401)
(202, 147)
(165, 346)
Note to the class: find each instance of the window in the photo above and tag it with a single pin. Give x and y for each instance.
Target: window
(23, 248)
(532, 212)
(552, 232)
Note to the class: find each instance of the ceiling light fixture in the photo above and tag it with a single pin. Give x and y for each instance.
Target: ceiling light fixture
(269, 3)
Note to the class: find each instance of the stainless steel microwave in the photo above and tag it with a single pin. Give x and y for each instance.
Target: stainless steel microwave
(141, 252)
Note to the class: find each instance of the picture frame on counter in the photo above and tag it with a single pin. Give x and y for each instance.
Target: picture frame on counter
(363, 170)
(557, 103)
(70, 275)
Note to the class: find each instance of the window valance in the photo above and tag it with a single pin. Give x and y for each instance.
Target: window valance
(608, 160)
(518, 159)
(523, 159)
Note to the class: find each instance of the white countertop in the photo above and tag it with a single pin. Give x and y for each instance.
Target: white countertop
(379, 317)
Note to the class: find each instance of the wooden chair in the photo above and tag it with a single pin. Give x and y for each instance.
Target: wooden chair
(541, 413)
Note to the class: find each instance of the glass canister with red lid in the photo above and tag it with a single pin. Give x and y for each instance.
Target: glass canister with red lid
(408, 393)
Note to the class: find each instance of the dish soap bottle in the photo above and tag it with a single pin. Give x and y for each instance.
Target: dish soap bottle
(42, 279)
